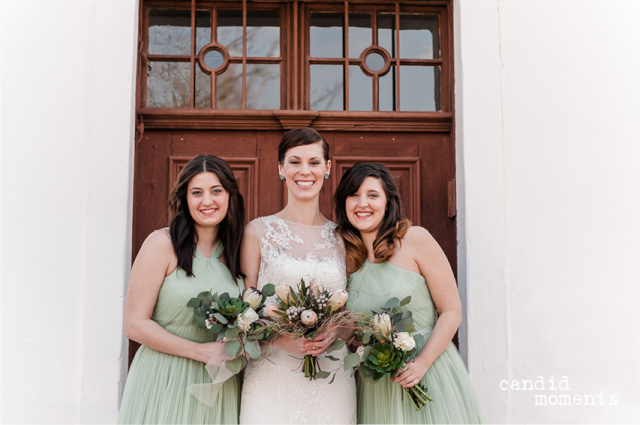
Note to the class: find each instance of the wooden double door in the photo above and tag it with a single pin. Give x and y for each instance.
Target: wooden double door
(229, 77)
(422, 165)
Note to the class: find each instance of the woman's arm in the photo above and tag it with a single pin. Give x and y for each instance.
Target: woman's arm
(154, 261)
(435, 268)
(250, 256)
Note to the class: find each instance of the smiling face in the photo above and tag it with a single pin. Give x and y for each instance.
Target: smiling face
(208, 201)
(304, 168)
(366, 208)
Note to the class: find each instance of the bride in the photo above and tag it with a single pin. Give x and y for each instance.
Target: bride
(297, 243)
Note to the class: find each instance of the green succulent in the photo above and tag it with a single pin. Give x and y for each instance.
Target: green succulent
(231, 308)
(384, 358)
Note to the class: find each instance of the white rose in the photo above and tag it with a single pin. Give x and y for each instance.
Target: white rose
(253, 297)
(404, 341)
(382, 323)
(247, 318)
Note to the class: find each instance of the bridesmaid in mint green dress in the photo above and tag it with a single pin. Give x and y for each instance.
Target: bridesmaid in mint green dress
(198, 252)
(390, 258)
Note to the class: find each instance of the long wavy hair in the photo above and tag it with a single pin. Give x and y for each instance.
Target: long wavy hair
(393, 227)
(182, 229)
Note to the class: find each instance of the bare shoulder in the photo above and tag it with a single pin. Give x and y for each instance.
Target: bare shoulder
(159, 241)
(250, 231)
(419, 237)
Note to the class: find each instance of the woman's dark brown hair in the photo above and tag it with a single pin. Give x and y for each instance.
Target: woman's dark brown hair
(393, 226)
(298, 137)
(182, 229)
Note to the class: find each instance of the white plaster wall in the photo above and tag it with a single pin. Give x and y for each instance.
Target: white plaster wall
(548, 134)
(68, 71)
(548, 125)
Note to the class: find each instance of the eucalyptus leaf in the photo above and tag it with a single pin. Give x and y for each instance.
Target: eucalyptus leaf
(332, 379)
(333, 359)
(253, 350)
(337, 345)
(216, 328)
(367, 351)
(235, 365)
(322, 374)
(409, 327)
(406, 314)
(366, 337)
(232, 348)
(220, 318)
(194, 302)
(199, 321)
(268, 290)
(393, 302)
(405, 301)
(351, 360)
(232, 333)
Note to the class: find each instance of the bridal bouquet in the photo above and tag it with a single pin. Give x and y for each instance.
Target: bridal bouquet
(234, 320)
(305, 312)
(387, 345)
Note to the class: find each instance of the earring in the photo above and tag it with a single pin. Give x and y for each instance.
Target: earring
(281, 177)
(326, 176)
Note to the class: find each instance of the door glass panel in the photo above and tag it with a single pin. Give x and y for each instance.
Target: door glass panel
(203, 29)
(419, 37)
(263, 33)
(387, 90)
(213, 59)
(419, 88)
(360, 90)
(387, 33)
(375, 61)
(169, 32)
(359, 33)
(203, 88)
(168, 85)
(327, 87)
(326, 35)
(263, 86)
(229, 87)
(230, 31)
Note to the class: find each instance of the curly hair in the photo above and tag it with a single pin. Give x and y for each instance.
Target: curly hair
(182, 229)
(394, 225)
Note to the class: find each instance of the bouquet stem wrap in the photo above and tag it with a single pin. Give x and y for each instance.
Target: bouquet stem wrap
(207, 393)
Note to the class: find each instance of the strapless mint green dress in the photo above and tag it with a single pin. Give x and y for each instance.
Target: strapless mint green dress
(447, 380)
(156, 389)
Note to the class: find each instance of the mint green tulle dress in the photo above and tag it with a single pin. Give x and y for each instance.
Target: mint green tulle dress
(447, 380)
(156, 389)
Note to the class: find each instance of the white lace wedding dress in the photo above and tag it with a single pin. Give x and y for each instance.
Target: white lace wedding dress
(275, 389)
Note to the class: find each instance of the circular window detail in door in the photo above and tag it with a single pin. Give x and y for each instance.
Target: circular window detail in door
(214, 59)
(375, 60)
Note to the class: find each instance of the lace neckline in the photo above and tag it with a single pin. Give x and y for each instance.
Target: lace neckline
(329, 222)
